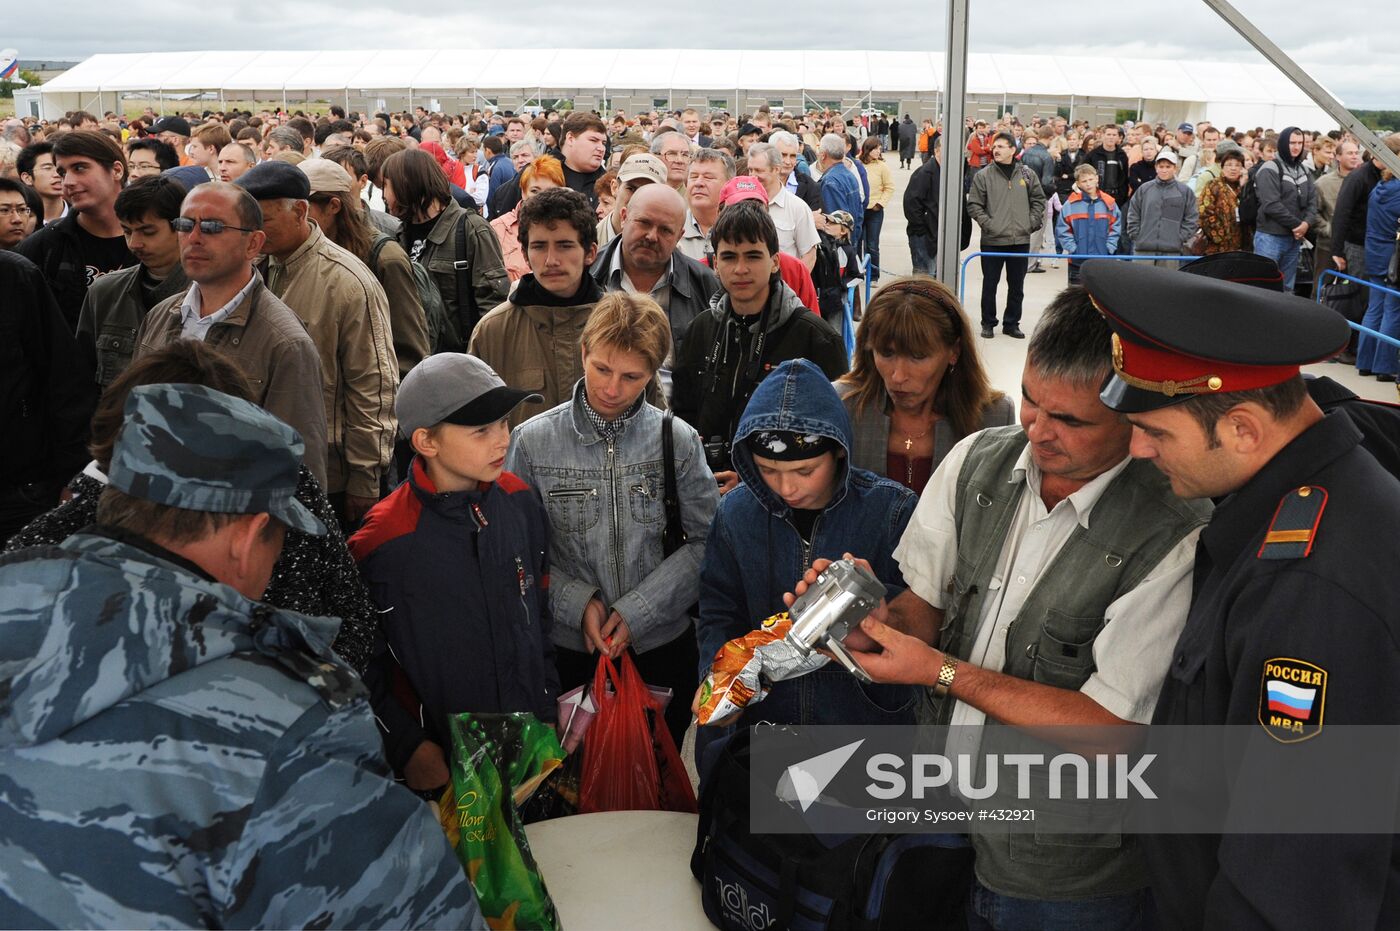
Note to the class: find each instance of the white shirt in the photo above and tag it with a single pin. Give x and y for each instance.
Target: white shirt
(1133, 650)
(194, 326)
(797, 231)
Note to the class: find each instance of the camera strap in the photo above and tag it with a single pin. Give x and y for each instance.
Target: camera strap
(673, 537)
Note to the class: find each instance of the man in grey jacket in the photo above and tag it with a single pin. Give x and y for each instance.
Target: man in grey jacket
(1162, 215)
(228, 307)
(1008, 203)
(1287, 205)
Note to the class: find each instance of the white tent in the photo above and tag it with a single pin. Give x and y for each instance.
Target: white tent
(1224, 92)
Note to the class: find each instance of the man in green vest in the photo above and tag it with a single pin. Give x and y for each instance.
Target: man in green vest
(1049, 575)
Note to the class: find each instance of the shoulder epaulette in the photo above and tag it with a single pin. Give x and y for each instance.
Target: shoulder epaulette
(1294, 526)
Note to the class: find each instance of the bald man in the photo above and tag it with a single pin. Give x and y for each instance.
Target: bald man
(644, 260)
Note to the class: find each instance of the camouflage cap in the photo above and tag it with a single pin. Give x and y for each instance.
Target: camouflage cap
(187, 446)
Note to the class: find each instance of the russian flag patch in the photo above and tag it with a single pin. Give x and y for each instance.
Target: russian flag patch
(1292, 698)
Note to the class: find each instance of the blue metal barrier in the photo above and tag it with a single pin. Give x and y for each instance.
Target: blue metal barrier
(1369, 284)
(962, 278)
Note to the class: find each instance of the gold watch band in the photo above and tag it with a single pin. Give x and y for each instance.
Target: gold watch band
(946, 673)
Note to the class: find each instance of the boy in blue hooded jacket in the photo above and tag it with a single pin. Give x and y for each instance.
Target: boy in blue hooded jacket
(800, 500)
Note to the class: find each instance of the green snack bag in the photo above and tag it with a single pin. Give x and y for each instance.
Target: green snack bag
(498, 760)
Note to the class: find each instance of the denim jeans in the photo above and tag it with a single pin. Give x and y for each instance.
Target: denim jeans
(991, 910)
(1015, 284)
(1383, 314)
(874, 220)
(920, 254)
(1283, 250)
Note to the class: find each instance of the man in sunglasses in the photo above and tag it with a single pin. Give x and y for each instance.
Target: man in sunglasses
(228, 306)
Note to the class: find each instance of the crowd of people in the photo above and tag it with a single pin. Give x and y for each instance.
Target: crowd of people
(359, 421)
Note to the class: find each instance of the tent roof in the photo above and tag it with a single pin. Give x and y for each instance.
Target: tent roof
(881, 72)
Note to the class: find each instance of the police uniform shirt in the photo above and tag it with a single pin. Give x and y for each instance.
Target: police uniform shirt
(1290, 643)
(1130, 656)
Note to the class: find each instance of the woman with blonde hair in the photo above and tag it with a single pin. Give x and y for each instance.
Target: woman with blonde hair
(597, 461)
(916, 386)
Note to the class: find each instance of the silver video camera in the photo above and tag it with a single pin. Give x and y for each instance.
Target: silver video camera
(835, 604)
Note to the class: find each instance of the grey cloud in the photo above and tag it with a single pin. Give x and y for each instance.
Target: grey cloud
(1352, 54)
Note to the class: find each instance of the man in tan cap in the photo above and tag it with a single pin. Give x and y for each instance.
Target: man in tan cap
(634, 174)
(347, 314)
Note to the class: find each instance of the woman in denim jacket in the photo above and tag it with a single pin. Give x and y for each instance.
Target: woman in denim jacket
(597, 462)
(770, 528)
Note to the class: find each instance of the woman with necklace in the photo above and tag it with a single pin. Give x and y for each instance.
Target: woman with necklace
(916, 386)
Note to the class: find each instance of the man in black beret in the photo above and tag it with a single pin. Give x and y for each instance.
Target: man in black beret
(1295, 612)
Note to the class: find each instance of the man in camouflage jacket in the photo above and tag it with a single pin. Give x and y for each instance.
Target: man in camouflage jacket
(174, 753)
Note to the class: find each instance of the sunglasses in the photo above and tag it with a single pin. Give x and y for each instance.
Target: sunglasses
(207, 227)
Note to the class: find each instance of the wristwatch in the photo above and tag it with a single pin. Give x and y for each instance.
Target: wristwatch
(945, 676)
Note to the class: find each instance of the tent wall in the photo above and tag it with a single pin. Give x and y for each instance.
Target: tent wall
(634, 79)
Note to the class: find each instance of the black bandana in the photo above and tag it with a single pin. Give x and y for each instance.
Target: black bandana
(787, 446)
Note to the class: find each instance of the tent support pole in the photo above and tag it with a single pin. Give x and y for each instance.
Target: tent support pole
(951, 186)
(1306, 84)
(1071, 108)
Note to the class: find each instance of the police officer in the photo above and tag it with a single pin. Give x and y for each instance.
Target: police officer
(174, 752)
(1295, 611)
(1378, 421)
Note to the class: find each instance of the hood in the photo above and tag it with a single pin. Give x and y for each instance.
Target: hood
(795, 396)
(783, 302)
(1284, 155)
(56, 674)
(439, 155)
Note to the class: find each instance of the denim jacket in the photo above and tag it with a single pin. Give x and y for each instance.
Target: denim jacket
(754, 553)
(604, 501)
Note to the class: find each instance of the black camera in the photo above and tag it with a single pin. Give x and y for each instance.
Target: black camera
(717, 454)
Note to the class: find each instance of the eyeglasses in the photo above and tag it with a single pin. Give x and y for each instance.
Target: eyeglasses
(207, 227)
(7, 210)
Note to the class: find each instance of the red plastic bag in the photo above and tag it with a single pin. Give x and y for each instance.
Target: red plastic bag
(630, 762)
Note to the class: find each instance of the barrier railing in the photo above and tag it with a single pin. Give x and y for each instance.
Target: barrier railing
(1368, 284)
(962, 276)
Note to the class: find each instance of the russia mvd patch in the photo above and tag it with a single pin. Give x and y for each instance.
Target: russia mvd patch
(1292, 698)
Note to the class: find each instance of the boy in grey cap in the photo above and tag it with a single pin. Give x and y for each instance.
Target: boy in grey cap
(202, 749)
(456, 559)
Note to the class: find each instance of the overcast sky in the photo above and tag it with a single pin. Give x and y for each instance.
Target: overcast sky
(1349, 47)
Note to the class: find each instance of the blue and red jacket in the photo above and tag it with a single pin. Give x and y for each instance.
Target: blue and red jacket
(1089, 226)
(463, 581)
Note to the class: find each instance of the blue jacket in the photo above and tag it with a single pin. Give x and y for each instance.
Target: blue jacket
(841, 190)
(177, 755)
(1089, 227)
(1382, 210)
(607, 517)
(502, 172)
(754, 553)
(463, 580)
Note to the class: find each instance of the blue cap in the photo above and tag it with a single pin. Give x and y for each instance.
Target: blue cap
(191, 447)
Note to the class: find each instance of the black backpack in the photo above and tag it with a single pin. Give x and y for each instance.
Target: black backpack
(1249, 200)
(772, 882)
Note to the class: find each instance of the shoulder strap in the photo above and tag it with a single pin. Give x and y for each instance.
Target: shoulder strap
(466, 299)
(380, 241)
(673, 537)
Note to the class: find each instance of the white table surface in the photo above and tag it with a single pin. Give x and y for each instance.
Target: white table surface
(620, 870)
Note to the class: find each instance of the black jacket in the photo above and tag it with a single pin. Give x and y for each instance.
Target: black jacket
(1349, 216)
(1113, 170)
(692, 288)
(46, 395)
(716, 372)
(921, 201)
(504, 198)
(57, 250)
(809, 191)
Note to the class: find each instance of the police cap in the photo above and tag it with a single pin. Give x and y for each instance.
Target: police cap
(1177, 336)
